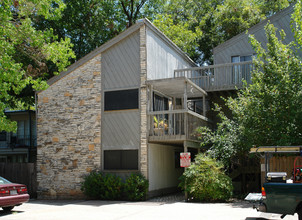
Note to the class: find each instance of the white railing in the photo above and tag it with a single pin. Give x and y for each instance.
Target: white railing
(218, 77)
(175, 125)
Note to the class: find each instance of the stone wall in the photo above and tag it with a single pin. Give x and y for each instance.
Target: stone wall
(69, 131)
(143, 104)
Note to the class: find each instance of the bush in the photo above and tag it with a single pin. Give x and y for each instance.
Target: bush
(98, 185)
(206, 180)
(136, 187)
(102, 186)
(92, 185)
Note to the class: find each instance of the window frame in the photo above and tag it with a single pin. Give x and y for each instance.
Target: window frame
(122, 160)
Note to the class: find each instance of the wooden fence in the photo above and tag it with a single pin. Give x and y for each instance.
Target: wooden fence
(24, 173)
(280, 164)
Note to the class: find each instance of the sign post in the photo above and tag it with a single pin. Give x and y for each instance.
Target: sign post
(185, 161)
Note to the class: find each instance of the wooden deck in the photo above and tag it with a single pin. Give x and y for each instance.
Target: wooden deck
(220, 77)
(175, 126)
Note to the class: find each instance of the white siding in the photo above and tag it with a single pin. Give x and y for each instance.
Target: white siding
(162, 171)
(162, 59)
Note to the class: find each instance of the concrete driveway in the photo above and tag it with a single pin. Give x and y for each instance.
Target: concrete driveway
(108, 210)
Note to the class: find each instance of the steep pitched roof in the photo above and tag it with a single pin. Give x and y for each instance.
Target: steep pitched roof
(116, 40)
(260, 25)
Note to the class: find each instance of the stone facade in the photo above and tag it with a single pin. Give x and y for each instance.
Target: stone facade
(69, 131)
(143, 104)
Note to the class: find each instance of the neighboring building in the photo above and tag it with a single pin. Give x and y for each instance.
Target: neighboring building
(131, 105)
(19, 147)
(238, 48)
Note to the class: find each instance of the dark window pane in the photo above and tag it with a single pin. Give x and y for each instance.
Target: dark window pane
(160, 103)
(112, 159)
(121, 100)
(130, 159)
(2, 136)
(121, 159)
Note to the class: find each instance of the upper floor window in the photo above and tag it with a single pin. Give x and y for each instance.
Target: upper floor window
(238, 59)
(121, 100)
(160, 103)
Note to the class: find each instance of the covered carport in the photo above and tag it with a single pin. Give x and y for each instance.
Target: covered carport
(277, 159)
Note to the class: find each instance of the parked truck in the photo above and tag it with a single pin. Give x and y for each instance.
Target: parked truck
(280, 194)
(281, 198)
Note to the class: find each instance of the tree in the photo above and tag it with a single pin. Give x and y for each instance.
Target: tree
(88, 24)
(132, 9)
(205, 180)
(267, 112)
(180, 34)
(25, 51)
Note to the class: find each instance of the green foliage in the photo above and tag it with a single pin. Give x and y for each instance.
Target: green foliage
(297, 22)
(136, 187)
(269, 109)
(102, 186)
(206, 181)
(234, 17)
(91, 186)
(107, 186)
(208, 23)
(225, 142)
(179, 33)
(25, 51)
(268, 112)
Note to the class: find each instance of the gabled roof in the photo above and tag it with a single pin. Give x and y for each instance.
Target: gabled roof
(116, 40)
(260, 25)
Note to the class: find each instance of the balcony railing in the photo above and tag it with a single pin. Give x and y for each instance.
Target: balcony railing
(175, 125)
(23, 141)
(218, 77)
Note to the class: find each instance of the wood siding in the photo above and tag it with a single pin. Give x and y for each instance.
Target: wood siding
(240, 46)
(120, 64)
(120, 130)
(162, 171)
(280, 164)
(162, 59)
(121, 70)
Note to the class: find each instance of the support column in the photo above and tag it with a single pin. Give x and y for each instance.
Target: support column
(143, 151)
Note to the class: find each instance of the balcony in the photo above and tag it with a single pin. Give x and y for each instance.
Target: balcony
(220, 77)
(23, 141)
(177, 124)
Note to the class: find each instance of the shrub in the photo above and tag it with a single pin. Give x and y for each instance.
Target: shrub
(102, 186)
(91, 186)
(99, 185)
(206, 181)
(136, 187)
(111, 187)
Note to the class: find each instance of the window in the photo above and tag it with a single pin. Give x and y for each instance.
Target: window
(2, 136)
(121, 159)
(238, 59)
(241, 72)
(160, 103)
(121, 100)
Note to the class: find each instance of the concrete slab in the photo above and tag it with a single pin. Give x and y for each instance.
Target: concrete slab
(114, 210)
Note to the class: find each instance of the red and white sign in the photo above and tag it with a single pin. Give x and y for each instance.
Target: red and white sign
(185, 159)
